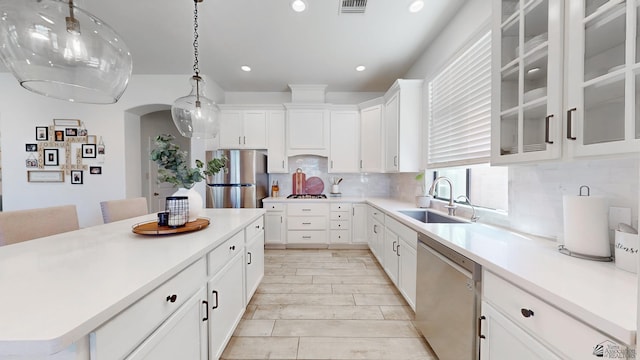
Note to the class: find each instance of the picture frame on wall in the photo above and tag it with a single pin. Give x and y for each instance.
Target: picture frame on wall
(31, 163)
(42, 133)
(67, 122)
(59, 135)
(76, 177)
(51, 157)
(71, 132)
(31, 147)
(88, 150)
(45, 176)
(95, 170)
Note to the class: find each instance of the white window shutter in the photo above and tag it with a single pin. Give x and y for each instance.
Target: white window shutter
(460, 109)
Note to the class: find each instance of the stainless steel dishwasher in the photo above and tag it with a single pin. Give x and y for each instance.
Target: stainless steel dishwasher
(447, 300)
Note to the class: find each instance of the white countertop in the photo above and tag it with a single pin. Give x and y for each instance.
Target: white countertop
(597, 293)
(55, 290)
(350, 199)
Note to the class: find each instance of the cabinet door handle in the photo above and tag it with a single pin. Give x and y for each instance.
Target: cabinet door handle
(526, 312)
(215, 295)
(569, 120)
(332, 164)
(306, 209)
(306, 237)
(393, 246)
(280, 219)
(375, 230)
(395, 160)
(249, 253)
(360, 164)
(480, 327)
(172, 298)
(546, 129)
(244, 140)
(239, 142)
(206, 310)
(283, 164)
(306, 223)
(398, 250)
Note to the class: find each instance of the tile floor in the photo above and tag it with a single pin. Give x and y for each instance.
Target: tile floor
(326, 304)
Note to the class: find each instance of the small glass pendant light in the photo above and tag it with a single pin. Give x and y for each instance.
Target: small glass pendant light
(56, 49)
(194, 115)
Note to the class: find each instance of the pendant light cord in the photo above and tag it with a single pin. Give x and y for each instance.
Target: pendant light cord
(196, 69)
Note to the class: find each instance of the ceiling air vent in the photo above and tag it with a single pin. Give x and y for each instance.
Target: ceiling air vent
(353, 6)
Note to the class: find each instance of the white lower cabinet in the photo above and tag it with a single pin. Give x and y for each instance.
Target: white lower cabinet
(254, 264)
(517, 322)
(226, 304)
(182, 336)
(275, 227)
(375, 231)
(308, 224)
(359, 224)
(505, 340)
(400, 258)
(408, 269)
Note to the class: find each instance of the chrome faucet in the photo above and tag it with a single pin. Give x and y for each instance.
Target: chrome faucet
(451, 207)
(474, 218)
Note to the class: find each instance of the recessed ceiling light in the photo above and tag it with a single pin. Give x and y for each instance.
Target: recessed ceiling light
(360, 68)
(245, 68)
(416, 6)
(298, 5)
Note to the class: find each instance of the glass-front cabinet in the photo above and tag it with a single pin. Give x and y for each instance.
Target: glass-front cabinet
(603, 67)
(527, 43)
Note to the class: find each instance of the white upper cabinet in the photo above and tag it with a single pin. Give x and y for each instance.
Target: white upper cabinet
(527, 86)
(243, 129)
(344, 139)
(603, 78)
(277, 150)
(402, 119)
(371, 144)
(307, 130)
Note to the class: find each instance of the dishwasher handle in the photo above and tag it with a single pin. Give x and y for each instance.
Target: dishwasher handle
(442, 258)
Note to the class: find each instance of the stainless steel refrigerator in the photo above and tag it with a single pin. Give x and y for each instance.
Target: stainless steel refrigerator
(243, 183)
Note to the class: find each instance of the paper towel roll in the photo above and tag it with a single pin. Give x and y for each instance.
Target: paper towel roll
(586, 225)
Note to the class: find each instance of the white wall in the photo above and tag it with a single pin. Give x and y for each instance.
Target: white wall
(118, 124)
(285, 97)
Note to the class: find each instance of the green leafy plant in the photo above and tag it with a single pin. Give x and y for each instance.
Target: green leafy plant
(174, 168)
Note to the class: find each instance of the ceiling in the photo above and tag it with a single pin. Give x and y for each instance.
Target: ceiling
(318, 46)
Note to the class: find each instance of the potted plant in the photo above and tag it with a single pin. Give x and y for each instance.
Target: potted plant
(424, 199)
(174, 168)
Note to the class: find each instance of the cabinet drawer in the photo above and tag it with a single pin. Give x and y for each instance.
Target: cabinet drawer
(341, 207)
(274, 207)
(307, 223)
(340, 236)
(254, 229)
(307, 209)
(340, 225)
(307, 237)
(120, 335)
(340, 215)
(219, 256)
(563, 333)
(376, 214)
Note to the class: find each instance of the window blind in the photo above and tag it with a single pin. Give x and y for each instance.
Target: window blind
(460, 109)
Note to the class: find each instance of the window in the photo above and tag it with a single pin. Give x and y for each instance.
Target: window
(485, 186)
(459, 101)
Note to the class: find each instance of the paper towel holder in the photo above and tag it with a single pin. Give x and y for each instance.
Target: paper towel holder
(564, 250)
(584, 187)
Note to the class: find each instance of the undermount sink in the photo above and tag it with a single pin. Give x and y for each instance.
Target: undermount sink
(427, 216)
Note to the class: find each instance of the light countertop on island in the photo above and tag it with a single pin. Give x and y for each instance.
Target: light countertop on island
(57, 289)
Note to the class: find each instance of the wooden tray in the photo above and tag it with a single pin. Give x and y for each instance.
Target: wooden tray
(152, 228)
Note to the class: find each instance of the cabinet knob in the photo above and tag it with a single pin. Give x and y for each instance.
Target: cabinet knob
(172, 298)
(526, 312)
(233, 247)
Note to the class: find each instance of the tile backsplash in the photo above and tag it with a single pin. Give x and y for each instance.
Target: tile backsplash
(357, 185)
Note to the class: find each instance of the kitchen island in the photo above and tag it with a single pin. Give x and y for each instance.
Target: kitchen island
(58, 292)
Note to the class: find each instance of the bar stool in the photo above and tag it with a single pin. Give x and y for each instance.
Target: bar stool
(114, 210)
(22, 225)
